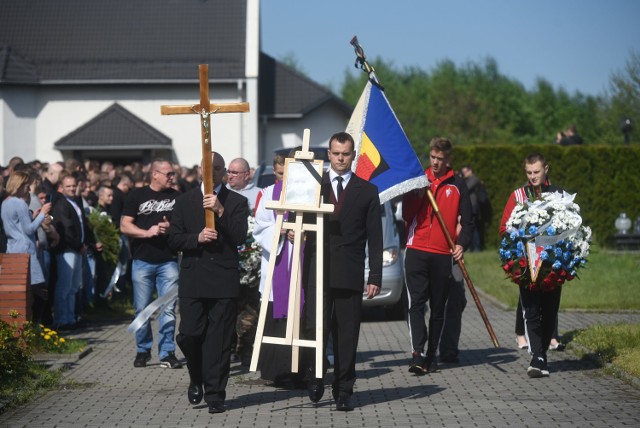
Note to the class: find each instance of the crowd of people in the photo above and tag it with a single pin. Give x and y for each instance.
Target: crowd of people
(159, 212)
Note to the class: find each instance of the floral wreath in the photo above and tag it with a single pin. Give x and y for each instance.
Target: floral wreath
(545, 242)
(250, 257)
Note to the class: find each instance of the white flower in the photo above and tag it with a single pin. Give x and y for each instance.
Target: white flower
(250, 257)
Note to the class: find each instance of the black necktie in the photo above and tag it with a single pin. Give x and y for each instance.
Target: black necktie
(339, 187)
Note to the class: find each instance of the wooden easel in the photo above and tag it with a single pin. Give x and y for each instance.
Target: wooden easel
(292, 335)
(205, 109)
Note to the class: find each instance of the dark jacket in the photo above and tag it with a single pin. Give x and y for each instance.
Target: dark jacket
(68, 226)
(354, 222)
(211, 270)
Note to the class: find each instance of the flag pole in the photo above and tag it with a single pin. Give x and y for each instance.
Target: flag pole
(361, 62)
(463, 268)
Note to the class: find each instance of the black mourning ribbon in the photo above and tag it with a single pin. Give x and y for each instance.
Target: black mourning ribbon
(339, 187)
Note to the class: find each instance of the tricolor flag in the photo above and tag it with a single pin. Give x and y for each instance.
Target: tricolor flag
(384, 155)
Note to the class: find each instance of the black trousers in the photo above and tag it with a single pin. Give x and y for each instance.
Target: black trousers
(520, 322)
(456, 302)
(205, 337)
(428, 277)
(341, 318)
(540, 318)
(346, 306)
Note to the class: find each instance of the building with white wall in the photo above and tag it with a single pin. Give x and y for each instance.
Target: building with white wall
(86, 79)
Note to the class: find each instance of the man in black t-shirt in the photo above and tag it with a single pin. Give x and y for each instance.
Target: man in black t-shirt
(146, 221)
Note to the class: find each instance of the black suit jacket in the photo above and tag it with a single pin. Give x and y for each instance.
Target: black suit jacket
(68, 226)
(210, 270)
(354, 222)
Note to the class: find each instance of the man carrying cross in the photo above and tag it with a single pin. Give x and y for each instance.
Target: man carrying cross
(209, 276)
(209, 283)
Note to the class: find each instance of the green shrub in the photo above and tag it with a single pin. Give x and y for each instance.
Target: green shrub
(107, 233)
(15, 349)
(605, 178)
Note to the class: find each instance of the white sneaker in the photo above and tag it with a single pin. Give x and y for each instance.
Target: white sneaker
(537, 368)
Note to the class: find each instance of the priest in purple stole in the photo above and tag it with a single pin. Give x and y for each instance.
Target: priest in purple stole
(275, 360)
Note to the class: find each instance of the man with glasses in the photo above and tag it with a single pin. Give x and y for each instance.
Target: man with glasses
(239, 180)
(145, 221)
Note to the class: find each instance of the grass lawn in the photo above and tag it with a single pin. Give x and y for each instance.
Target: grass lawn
(609, 282)
(617, 346)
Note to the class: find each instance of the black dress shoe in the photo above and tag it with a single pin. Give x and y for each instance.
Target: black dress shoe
(316, 389)
(344, 403)
(194, 393)
(216, 407)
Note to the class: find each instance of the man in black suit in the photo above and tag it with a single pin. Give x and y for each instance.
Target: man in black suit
(75, 237)
(209, 284)
(355, 221)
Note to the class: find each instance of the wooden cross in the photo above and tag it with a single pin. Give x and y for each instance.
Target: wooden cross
(205, 109)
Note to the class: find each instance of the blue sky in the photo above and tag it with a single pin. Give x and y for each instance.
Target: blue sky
(576, 44)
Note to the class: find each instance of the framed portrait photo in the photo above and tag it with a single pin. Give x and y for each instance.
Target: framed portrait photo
(301, 183)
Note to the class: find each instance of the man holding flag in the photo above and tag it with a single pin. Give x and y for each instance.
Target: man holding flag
(429, 259)
(386, 158)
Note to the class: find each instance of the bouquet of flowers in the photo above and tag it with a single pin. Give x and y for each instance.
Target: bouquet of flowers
(107, 233)
(250, 258)
(545, 243)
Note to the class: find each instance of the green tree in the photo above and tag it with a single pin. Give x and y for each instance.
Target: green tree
(476, 104)
(624, 98)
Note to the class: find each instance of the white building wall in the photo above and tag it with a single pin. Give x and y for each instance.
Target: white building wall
(287, 133)
(250, 124)
(17, 124)
(252, 69)
(61, 110)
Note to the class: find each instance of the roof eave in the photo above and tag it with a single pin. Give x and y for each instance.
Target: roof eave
(114, 148)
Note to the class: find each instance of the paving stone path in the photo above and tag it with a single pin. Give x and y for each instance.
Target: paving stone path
(488, 388)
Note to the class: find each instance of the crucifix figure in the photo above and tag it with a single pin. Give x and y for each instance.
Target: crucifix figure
(205, 109)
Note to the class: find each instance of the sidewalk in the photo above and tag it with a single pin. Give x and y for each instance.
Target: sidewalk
(488, 388)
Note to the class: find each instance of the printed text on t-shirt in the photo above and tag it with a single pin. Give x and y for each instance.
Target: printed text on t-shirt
(156, 206)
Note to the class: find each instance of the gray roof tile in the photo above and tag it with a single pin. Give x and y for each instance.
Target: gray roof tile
(122, 40)
(113, 129)
(286, 92)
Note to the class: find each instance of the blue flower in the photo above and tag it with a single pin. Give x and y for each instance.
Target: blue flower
(558, 252)
(507, 254)
(569, 245)
(513, 235)
(520, 246)
(544, 255)
(504, 242)
(533, 230)
(521, 232)
(551, 230)
(556, 265)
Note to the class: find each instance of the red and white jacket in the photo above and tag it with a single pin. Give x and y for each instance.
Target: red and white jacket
(423, 229)
(520, 196)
